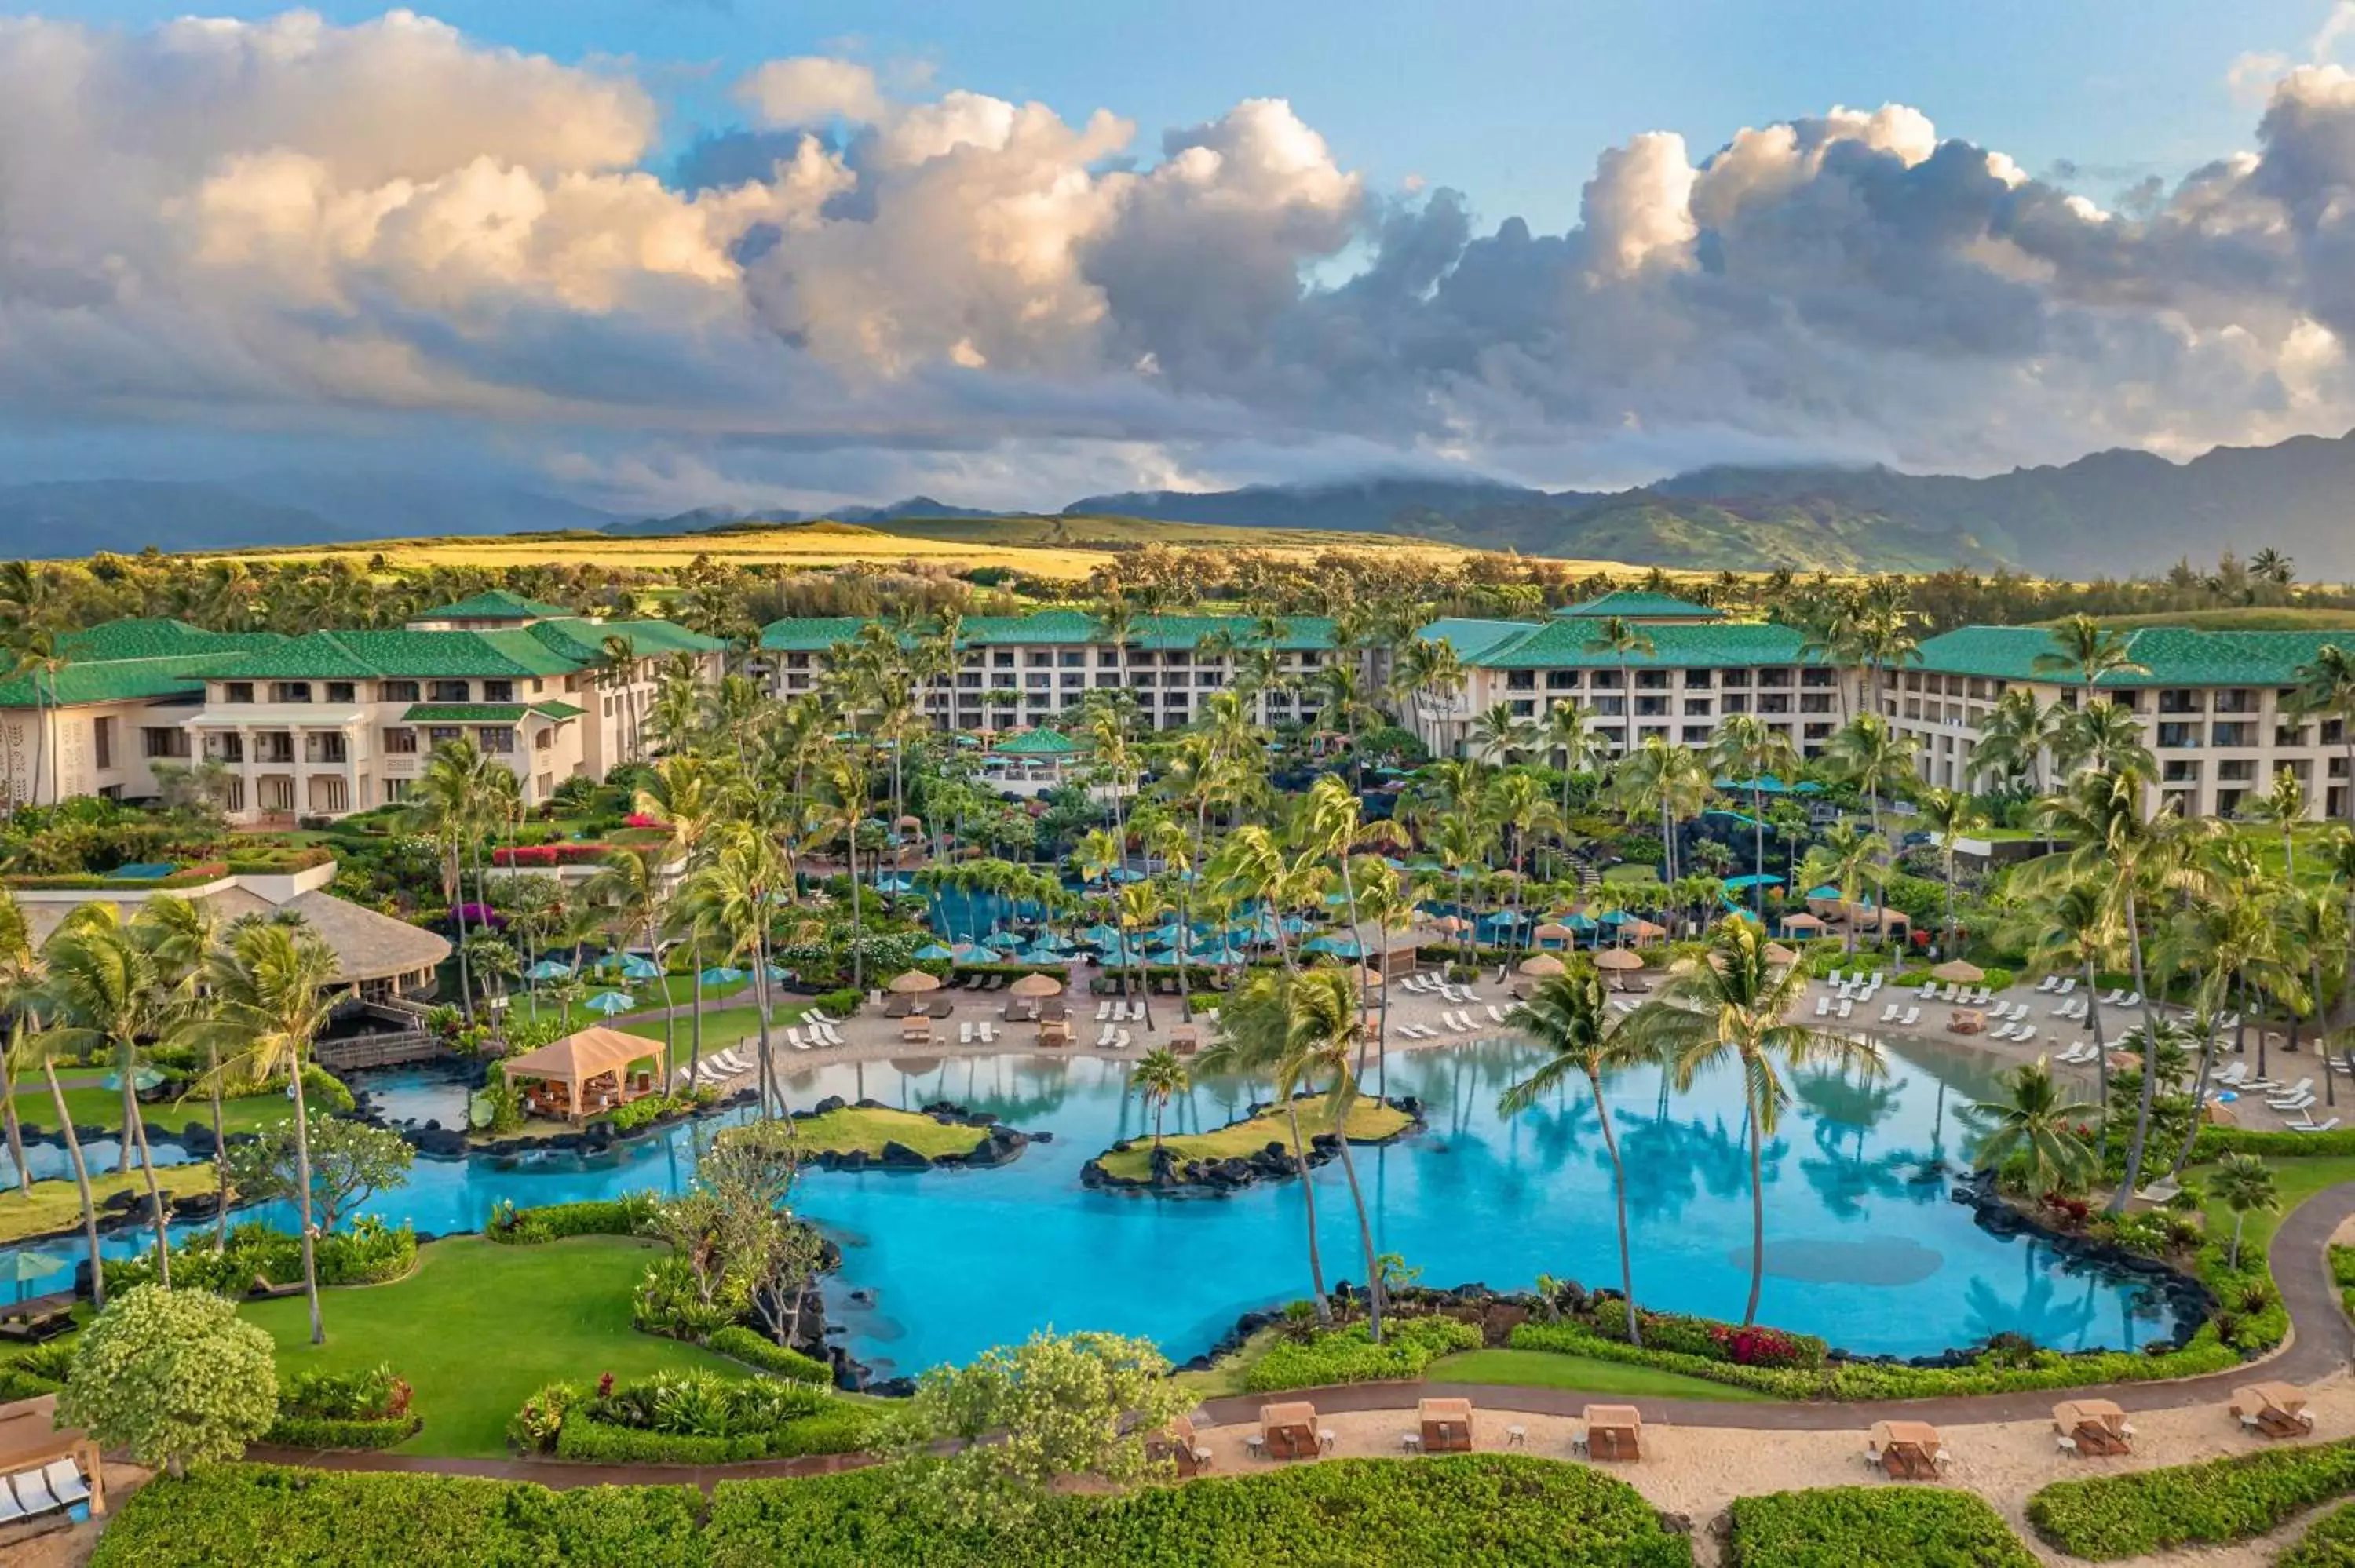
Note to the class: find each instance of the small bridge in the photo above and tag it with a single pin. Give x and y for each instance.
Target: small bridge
(376, 1050)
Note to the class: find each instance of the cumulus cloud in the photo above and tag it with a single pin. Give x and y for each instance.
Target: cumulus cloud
(268, 224)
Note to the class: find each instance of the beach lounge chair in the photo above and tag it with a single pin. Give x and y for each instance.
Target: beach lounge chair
(1494, 1016)
(793, 1038)
(1623, 1004)
(834, 1037)
(1913, 1016)
(1103, 1041)
(1120, 1042)
(1468, 994)
(1823, 1007)
(986, 1032)
(2303, 1106)
(964, 1032)
(2227, 1021)
(65, 1482)
(1928, 992)
(2049, 983)
(1889, 1013)
(2131, 999)
(2023, 1034)
(815, 1015)
(2002, 1032)
(1878, 976)
(2299, 1087)
(2067, 986)
(2310, 1125)
(2232, 1076)
(1103, 1010)
(1847, 1008)
(32, 1489)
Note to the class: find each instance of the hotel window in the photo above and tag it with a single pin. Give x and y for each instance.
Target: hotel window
(396, 691)
(498, 691)
(237, 692)
(165, 742)
(342, 692)
(401, 743)
(1561, 680)
(497, 738)
(446, 691)
(442, 734)
(101, 741)
(290, 692)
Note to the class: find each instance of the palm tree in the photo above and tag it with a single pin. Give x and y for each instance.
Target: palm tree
(1323, 1022)
(1254, 1036)
(2087, 651)
(2283, 805)
(1568, 733)
(268, 999)
(1746, 748)
(2103, 735)
(446, 805)
(18, 973)
(2033, 1121)
(631, 890)
(732, 895)
(1498, 735)
(2071, 924)
(1734, 1006)
(1623, 640)
(2243, 1183)
(1871, 754)
(1568, 1015)
(1849, 858)
(2326, 688)
(34, 1047)
(2019, 734)
(2270, 565)
(1951, 814)
(1159, 1078)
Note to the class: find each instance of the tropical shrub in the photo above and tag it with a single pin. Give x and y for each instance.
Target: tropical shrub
(690, 1419)
(266, 1516)
(1870, 1527)
(2215, 1503)
(370, 1253)
(647, 1109)
(1348, 1355)
(741, 1344)
(1339, 1513)
(174, 1376)
(1751, 1346)
(367, 1407)
(2329, 1545)
(624, 1216)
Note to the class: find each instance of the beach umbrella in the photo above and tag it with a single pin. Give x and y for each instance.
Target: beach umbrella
(1332, 942)
(932, 952)
(141, 1082)
(1035, 985)
(1101, 937)
(1958, 972)
(777, 975)
(913, 983)
(722, 974)
(1040, 954)
(1777, 953)
(1619, 958)
(610, 1003)
(1004, 941)
(1542, 964)
(1644, 930)
(634, 967)
(1551, 932)
(908, 823)
(22, 1268)
(549, 968)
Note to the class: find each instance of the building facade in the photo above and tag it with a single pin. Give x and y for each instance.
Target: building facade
(2214, 707)
(1018, 672)
(1688, 669)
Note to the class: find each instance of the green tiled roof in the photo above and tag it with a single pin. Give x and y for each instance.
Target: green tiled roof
(1038, 743)
(1469, 638)
(2174, 655)
(497, 604)
(1069, 628)
(362, 655)
(556, 710)
(584, 641)
(123, 661)
(1634, 604)
(1561, 644)
(484, 713)
(809, 634)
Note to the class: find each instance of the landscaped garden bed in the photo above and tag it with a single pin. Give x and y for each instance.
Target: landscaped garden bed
(2211, 1504)
(1870, 1527)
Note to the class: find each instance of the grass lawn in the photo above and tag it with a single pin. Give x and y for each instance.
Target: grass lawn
(1544, 1369)
(1633, 876)
(103, 1107)
(479, 1327)
(853, 1126)
(57, 1205)
(2296, 1178)
(1369, 1120)
(724, 1026)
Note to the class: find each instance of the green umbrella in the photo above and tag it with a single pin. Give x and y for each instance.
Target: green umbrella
(22, 1267)
(142, 1081)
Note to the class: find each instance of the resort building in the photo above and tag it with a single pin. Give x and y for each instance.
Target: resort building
(1018, 671)
(2214, 708)
(1689, 666)
(336, 722)
(98, 719)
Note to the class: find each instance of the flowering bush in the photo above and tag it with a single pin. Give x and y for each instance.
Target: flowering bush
(1757, 1346)
(577, 853)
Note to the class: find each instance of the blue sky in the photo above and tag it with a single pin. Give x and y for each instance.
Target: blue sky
(1574, 245)
(1506, 99)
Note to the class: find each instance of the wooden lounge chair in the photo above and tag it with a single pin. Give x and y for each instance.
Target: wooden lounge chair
(1288, 1430)
(1446, 1426)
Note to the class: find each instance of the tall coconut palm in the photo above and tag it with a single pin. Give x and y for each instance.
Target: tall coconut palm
(1950, 814)
(2284, 806)
(2326, 688)
(1871, 754)
(2088, 652)
(2032, 1121)
(2106, 735)
(1566, 736)
(1852, 859)
(446, 806)
(1254, 1036)
(2243, 1183)
(267, 999)
(1323, 1022)
(1625, 641)
(2017, 737)
(1747, 750)
(19, 978)
(2070, 925)
(1734, 1007)
(1159, 1078)
(733, 896)
(1569, 1016)
(632, 891)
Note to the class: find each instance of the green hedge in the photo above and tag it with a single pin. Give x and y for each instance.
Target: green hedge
(845, 1429)
(1348, 1355)
(2215, 1503)
(265, 1515)
(739, 1343)
(2329, 1545)
(325, 1431)
(1460, 1510)
(624, 1216)
(1872, 1527)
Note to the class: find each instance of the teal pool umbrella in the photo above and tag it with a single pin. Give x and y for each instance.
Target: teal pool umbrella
(1751, 879)
(144, 1080)
(610, 1003)
(549, 968)
(724, 974)
(777, 975)
(1041, 954)
(1335, 943)
(1004, 941)
(935, 953)
(22, 1268)
(1101, 937)
(637, 967)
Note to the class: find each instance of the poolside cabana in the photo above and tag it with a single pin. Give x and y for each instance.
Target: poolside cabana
(1800, 920)
(1446, 1425)
(1288, 1430)
(31, 1439)
(1613, 1432)
(583, 1072)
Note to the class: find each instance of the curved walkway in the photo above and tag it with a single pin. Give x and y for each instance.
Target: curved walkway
(2321, 1342)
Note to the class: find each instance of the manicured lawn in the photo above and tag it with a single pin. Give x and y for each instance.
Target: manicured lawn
(853, 1126)
(479, 1327)
(103, 1107)
(1544, 1369)
(724, 1026)
(1633, 876)
(1368, 1120)
(57, 1205)
(2296, 1179)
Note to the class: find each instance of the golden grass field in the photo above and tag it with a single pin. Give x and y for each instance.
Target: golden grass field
(1062, 547)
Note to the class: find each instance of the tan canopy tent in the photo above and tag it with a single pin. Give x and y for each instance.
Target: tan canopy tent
(914, 981)
(581, 1063)
(1799, 920)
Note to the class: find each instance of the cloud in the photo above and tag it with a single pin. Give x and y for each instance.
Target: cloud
(288, 225)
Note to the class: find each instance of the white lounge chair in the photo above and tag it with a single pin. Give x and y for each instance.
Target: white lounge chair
(2310, 1125)
(1103, 1010)
(2299, 1087)
(2302, 1106)
(1929, 992)
(2049, 983)
(1494, 1016)
(1103, 1041)
(1623, 1004)
(1889, 1013)
(1468, 994)
(2232, 1076)
(2000, 1032)
(65, 1483)
(2067, 986)
(2023, 1034)
(815, 1015)
(33, 1492)
(833, 1036)
(1913, 1016)
(793, 1038)
(1121, 1041)
(1823, 1007)
(985, 1032)
(2131, 999)
(964, 1032)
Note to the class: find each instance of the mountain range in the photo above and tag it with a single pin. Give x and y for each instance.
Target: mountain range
(2113, 513)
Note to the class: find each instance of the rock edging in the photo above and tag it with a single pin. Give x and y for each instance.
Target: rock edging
(1273, 1162)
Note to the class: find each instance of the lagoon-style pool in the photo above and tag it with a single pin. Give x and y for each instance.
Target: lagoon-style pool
(1863, 1246)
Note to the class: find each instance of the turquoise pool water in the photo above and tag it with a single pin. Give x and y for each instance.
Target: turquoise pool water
(1863, 1246)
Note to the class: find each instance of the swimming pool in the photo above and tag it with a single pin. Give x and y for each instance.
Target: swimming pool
(1863, 1246)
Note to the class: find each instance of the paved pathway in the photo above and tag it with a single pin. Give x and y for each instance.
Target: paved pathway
(2320, 1342)
(561, 1474)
